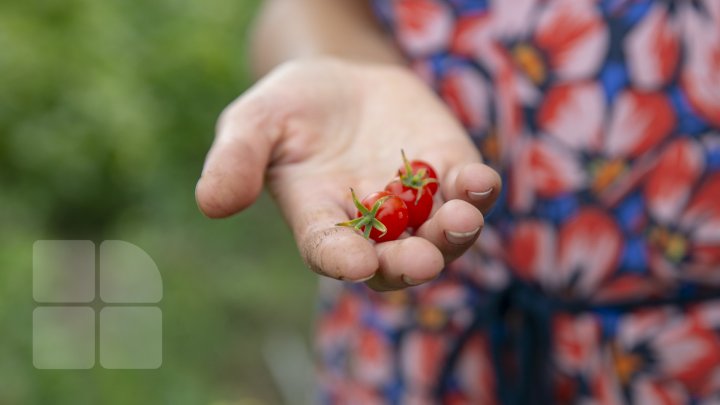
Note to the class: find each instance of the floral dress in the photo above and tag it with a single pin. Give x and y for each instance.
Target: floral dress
(597, 275)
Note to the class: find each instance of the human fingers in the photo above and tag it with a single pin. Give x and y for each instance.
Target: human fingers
(405, 263)
(313, 205)
(475, 183)
(453, 228)
(232, 176)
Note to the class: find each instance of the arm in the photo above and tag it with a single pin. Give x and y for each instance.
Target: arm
(332, 111)
(341, 28)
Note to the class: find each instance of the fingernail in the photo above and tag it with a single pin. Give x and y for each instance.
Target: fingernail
(459, 238)
(362, 280)
(409, 281)
(479, 195)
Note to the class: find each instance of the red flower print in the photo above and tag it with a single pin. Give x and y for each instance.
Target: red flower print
(575, 261)
(701, 224)
(703, 211)
(442, 293)
(532, 248)
(604, 385)
(543, 168)
(652, 49)
(483, 262)
(630, 287)
(473, 37)
(589, 247)
(686, 351)
(351, 393)
(421, 358)
(512, 19)
(442, 305)
(641, 326)
(639, 122)
(686, 239)
(372, 358)
(652, 391)
(574, 114)
(466, 92)
(665, 353)
(668, 187)
(701, 76)
(576, 341)
(573, 35)
(337, 326)
(423, 26)
(476, 374)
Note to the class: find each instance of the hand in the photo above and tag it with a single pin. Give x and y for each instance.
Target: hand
(314, 128)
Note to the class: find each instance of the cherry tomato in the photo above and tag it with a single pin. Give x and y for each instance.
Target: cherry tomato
(381, 216)
(419, 201)
(417, 174)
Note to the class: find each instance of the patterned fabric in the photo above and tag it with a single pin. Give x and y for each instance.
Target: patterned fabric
(593, 280)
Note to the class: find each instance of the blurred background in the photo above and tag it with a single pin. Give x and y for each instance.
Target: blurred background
(107, 109)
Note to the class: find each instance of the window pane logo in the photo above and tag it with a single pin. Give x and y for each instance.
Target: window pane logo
(69, 329)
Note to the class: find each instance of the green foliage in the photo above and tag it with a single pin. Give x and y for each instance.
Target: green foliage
(107, 109)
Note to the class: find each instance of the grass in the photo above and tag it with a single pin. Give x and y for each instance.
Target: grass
(108, 108)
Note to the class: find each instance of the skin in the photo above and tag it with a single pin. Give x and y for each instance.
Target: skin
(333, 109)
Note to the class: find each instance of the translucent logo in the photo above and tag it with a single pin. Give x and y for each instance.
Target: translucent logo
(71, 326)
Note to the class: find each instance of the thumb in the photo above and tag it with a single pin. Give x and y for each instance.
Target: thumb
(232, 177)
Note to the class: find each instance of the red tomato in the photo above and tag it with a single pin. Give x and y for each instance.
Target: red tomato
(417, 174)
(419, 201)
(381, 216)
(392, 214)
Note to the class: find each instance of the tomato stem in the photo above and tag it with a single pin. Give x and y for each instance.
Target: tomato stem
(366, 222)
(411, 179)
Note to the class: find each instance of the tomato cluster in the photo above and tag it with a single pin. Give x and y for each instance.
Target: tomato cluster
(405, 203)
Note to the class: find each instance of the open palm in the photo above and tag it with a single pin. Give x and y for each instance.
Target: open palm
(312, 129)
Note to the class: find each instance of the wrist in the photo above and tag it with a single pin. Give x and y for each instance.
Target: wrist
(288, 30)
